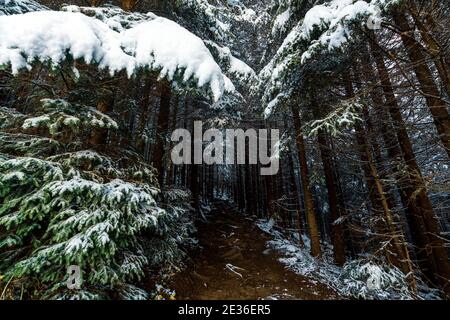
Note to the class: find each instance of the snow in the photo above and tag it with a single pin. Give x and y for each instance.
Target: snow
(179, 55)
(49, 35)
(35, 122)
(339, 221)
(331, 20)
(267, 225)
(86, 154)
(360, 278)
(325, 27)
(71, 121)
(318, 16)
(101, 231)
(233, 269)
(114, 17)
(204, 10)
(248, 15)
(345, 115)
(240, 67)
(77, 243)
(237, 68)
(334, 19)
(332, 14)
(270, 77)
(273, 104)
(280, 21)
(101, 120)
(177, 49)
(113, 192)
(228, 84)
(15, 175)
(131, 292)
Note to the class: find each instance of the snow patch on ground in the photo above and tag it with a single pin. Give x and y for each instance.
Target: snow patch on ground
(359, 279)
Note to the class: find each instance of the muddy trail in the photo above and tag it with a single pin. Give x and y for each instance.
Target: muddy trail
(233, 263)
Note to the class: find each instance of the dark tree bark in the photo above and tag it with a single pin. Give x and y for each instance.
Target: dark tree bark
(144, 108)
(99, 136)
(434, 49)
(309, 202)
(128, 5)
(436, 105)
(396, 251)
(161, 130)
(296, 195)
(423, 222)
(171, 169)
(337, 234)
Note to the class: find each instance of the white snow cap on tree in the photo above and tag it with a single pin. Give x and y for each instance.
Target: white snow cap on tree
(325, 27)
(330, 20)
(158, 44)
(164, 45)
(334, 19)
(280, 21)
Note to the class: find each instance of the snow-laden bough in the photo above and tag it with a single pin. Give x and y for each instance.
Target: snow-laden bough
(159, 45)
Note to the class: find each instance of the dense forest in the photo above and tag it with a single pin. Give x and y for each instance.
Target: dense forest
(92, 90)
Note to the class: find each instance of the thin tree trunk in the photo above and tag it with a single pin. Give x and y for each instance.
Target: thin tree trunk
(99, 136)
(193, 173)
(437, 106)
(161, 131)
(423, 222)
(171, 169)
(294, 190)
(128, 5)
(379, 200)
(144, 107)
(434, 49)
(309, 203)
(337, 233)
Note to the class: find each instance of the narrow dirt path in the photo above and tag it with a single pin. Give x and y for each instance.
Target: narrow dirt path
(234, 263)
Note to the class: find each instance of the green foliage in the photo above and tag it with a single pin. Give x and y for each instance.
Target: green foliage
(368, 280)
(71, 206)
(342, 116)
(59, 116)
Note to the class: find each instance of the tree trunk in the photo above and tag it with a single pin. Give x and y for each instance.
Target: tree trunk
(295, 191)
(193, 172)
(396, 251)
(434, 48)
(128, 5)
(99, 136)
(337, 233)
(161, 131)
(145, 107)
(309, 203)
(423, 222)
(437, 106)
(171, 169)
(269, 195)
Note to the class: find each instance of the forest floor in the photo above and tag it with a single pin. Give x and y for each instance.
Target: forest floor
(234, 263)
